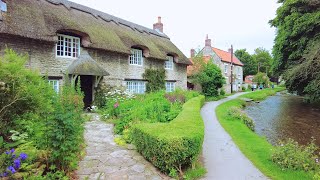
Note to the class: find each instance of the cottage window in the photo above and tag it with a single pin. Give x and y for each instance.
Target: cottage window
(136, 57)
(3, 6)
(68, 46)
(54, 84)
(170, 86)
(226, 68)
(169, 63)
(136, 87)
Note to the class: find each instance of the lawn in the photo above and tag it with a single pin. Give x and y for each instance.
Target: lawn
(253, 146)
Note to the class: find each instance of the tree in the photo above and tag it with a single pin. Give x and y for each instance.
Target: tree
(250, 65)
(261, 78)
(296, 48)
(263, 59)
(208, 75)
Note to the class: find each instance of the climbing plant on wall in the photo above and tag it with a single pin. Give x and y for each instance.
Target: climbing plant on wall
(155, 78)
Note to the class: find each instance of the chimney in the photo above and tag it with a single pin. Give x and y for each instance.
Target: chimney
(192, 53)
(229, 50)
(158, 26)
(207, 42)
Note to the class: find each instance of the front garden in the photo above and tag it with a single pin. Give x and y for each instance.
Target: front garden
(41, 132)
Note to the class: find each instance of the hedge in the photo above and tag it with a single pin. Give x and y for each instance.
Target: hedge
(174, 145)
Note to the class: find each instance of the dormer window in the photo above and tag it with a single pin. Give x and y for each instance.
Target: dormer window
(68, 46)
(169, 63)
(136, 57)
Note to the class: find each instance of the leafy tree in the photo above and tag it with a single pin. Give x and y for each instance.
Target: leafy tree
(250, 65)
(263, 59)
(261, 78)
(296, 49)
(208, 75)
(155, 78)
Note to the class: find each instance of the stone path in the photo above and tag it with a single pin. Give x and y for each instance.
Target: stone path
(106, 160)
(223, 160)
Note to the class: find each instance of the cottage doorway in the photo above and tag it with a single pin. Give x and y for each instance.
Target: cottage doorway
(86, 86)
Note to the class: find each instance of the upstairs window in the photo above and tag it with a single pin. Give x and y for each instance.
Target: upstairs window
(136, 87)
(136, 57)
(169, 63)
(68, 46)
(3, 6)
(54, 84)
(169, 86)
(226, 68)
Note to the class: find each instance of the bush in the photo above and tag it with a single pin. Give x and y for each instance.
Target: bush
(222, 92)
(291, 155)
(174, 145)
(156, 79)
(236, 113)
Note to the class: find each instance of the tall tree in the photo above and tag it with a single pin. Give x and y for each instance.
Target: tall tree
(296, 50)
(263, 59)
(250, 65)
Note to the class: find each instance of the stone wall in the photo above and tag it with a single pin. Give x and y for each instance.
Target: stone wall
(42, 58)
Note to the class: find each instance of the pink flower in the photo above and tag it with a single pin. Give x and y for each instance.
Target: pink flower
(116, 105)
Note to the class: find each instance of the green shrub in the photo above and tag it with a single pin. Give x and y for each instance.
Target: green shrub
(222, 92)
(236, 113)
(174, 145)
(65, 129)
(291, 155)
(156, 79)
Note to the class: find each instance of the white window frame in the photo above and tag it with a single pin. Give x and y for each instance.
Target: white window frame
(136, 87)
(55, 84)
(225, 68)
(170, 86)
(136, 57)
(169, 63)
(73, 45)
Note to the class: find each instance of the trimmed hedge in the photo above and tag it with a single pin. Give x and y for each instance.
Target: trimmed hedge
(171, 146)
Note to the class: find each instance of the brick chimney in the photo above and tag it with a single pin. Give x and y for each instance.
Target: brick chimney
(207, 42)
(158, 26)
(192, 53)
(229, 50)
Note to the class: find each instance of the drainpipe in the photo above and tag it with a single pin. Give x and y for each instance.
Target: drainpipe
(231, 68)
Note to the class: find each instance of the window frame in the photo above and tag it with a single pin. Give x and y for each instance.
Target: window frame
(56, 87)
(140, 85)
(168, 64)
(170, 86)
(74, 39)
(132, 58)
(225, 68)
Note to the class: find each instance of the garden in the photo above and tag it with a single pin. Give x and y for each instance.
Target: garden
(41, 132)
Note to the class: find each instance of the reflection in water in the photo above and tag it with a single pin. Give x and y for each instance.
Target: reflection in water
(286, 116)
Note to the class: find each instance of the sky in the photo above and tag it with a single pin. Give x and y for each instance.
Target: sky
(241, 23)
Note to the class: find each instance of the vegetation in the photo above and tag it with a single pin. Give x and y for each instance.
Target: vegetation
(43, 129)
(261, 79)
(155, 78)
(255, 147)
(296, 50)
(175, 145)
(251, 66)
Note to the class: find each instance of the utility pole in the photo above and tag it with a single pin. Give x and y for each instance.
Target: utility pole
(231, 69)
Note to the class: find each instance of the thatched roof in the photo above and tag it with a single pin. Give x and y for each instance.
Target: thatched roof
(42, 19)
(85, 65)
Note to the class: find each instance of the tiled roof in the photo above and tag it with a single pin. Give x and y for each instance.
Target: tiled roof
(226, 56)
(191, 69)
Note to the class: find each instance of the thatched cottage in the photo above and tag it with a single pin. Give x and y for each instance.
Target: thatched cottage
(223, 60)
(64, 38)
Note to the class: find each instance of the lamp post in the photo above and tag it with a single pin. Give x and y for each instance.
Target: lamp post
(231, 68)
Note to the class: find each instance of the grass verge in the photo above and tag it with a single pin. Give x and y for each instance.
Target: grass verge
(254, 147)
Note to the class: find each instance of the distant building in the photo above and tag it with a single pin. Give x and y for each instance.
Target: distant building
(223, 60)
(248, 79)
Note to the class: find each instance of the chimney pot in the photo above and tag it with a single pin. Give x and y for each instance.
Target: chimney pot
(207, 42)
(192, 53)
(158, 26)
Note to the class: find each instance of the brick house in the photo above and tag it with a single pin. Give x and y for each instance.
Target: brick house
(223, 60)
(65, 39)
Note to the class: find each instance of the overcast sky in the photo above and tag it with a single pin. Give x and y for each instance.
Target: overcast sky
(242, 23)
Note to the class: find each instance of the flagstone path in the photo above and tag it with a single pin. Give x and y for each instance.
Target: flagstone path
(106, 160)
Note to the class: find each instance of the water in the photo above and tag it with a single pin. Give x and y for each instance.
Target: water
(286, 116)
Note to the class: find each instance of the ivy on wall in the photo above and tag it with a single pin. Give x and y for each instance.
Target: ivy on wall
(155, 78)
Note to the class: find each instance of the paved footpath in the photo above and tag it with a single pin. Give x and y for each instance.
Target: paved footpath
(223, 160)
(106, 160)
